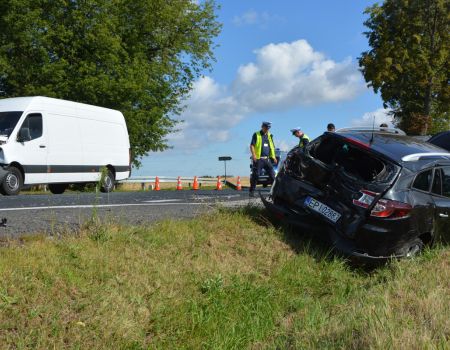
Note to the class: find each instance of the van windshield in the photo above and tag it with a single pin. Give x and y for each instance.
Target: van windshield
(8, 121)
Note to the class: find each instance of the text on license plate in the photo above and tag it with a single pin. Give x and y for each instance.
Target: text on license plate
(322, 209)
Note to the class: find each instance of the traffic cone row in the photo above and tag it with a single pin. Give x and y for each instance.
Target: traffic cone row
(219, 184)
(179, 185)
(196, 186)
(238, 184)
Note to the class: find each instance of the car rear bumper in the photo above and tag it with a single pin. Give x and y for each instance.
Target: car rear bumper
(342, 245)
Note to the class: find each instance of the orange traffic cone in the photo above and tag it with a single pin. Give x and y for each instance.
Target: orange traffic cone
(238, 185)
(157, 188)
(219, 184)
(179, 186)
(195, 185)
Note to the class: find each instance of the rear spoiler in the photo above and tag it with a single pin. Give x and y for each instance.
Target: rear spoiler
(418, 156)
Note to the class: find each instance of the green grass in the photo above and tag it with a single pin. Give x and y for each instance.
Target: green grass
(228, 280)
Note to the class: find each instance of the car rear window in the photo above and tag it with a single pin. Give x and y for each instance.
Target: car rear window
(423, 180)
(352, 160)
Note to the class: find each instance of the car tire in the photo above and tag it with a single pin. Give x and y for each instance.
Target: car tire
(414, 248)
(108, 182)
(57, 188)
(12, 182)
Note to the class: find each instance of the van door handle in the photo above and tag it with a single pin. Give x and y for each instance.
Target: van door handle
(443, 215)
(42, 146)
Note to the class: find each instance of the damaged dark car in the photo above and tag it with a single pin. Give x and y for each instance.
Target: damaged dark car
(377, 194)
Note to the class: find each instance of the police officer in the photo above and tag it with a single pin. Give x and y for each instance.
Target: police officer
(303, 138)
(263, 150)
(331, 127)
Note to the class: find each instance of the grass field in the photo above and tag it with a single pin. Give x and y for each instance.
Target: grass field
(228, 280)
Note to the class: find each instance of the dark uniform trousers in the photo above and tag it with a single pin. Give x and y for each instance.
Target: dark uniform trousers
(262, 163)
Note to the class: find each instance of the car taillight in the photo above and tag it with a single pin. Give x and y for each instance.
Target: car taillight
(386, 208)
(366, 199)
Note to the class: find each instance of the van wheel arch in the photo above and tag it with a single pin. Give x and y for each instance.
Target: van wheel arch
(109, 181)
(18, 166)
(111, 169)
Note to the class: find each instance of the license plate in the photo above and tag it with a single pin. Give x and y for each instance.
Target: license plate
(322, 209)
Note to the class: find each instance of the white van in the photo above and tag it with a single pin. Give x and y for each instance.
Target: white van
(49, 141)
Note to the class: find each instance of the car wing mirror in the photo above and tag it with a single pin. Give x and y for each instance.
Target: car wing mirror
(24, 135)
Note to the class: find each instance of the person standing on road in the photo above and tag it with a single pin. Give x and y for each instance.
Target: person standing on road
(263, 150)
(303, 138)
(331, 127)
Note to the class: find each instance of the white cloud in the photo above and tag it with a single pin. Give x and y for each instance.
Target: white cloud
(283, 76)
(210, 113)
(252, 17)
(292, 74)
(381, 115)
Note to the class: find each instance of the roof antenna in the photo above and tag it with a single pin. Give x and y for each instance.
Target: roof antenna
(373, 128)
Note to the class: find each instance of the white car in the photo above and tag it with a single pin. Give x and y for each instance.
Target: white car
(56, 142)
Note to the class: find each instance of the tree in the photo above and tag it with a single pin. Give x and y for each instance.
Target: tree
(140, 57)
(409, 61)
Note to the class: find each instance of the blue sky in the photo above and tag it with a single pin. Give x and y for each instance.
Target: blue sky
(293, 63)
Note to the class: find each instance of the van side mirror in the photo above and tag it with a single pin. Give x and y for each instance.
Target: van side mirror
(24, 135)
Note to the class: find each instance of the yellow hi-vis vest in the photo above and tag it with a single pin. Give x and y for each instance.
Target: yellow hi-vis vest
(258, 145)
(304, 137)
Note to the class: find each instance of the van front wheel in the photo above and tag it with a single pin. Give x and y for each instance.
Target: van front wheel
(108, 182)
(57, 188)
(12, 182)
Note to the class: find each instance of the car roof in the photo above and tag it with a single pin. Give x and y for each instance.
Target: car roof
(441, 139)
(396, 147)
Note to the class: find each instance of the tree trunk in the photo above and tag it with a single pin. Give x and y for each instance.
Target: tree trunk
(427, 108)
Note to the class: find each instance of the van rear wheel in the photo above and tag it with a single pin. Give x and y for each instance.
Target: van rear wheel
(57, 188)
(108, 182)
(12, 182)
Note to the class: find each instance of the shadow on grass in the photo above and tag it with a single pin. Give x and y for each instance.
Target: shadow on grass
(301, 241)
(315, 242)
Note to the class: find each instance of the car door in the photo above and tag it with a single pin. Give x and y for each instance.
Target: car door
(441, 197)
(31, 146)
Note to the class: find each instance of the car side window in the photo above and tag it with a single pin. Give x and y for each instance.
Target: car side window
(34, 124)
(423, 180)
(446, 181)
(437, 182)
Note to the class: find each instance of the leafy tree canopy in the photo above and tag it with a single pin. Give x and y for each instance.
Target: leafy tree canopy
(139, 56)
(409, 61)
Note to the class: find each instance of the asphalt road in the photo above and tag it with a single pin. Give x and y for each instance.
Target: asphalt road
(57, 214)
